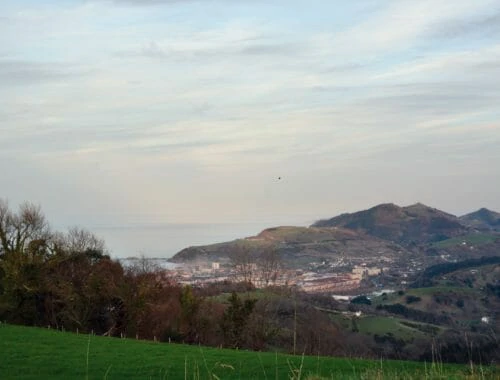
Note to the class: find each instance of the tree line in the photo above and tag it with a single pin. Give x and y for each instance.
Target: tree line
(425, 279)
(68, 281)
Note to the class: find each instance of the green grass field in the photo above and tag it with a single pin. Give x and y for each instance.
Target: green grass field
(37, 353)
(470, 239)
(431, 290)
(382, 325)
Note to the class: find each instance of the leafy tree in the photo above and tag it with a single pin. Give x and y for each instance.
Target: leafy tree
(25, 243)
(152, 304)
(361, 300)
(235, 319)
(412, 299)
(54, 278)
(81, 285)
(189, 308)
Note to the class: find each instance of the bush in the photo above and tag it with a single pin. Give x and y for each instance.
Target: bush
(361, 300)
(412, 299)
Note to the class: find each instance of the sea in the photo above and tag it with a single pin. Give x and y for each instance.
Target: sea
(164, 240)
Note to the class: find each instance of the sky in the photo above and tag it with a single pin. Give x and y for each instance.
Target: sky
(152, 112)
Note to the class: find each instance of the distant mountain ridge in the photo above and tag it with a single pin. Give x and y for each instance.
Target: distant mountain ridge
(415, 224)
(482, 219)
(386, 229)
(296, 244)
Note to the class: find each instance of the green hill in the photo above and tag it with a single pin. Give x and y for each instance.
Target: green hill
(297, 246)
(482, 219)
(417, 223)
(37, 353)
(386, 229)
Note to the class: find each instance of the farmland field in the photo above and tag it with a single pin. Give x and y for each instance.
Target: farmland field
(38, 353)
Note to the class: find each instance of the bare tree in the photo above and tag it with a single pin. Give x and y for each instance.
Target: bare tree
(26, 228)
(269, 264)
(243, 261)
(4, 226)
(81, 240)
(24, 247)
(143, 265)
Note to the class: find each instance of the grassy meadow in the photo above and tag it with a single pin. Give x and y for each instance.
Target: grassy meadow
(38, 353)
(471, 239)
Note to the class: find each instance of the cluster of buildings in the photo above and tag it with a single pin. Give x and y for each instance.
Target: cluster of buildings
(308, 281)
(341, 275)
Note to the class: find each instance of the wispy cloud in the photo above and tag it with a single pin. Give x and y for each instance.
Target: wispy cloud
(473, 61)
(181, 51)
(15, 72)
(219, 95)
(140, 3)
(483, 25)
(398, 27)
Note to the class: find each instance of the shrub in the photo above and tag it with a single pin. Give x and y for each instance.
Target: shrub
(412, 299)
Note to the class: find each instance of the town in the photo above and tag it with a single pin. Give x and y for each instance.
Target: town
(341, 276)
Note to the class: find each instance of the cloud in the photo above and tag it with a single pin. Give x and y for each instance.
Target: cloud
(271, 49)
(220, 101)
(484, 25)
(216, 45)
(163, 2)
(483, 61)
(432, 99)
(152, 2)
(18, 72)
(396, 28)
(345, 67)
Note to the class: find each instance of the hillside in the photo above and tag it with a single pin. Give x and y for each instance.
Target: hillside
(299, 245)
(467, 292)
(483, 219)
(389, 232)
(415, 224)
(35, 353)
(448, 302)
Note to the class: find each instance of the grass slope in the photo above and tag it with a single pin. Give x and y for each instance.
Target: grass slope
(383, 325)
(36, 353)
(469, 240)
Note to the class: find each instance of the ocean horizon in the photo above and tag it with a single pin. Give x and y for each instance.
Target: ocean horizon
(164, 240)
